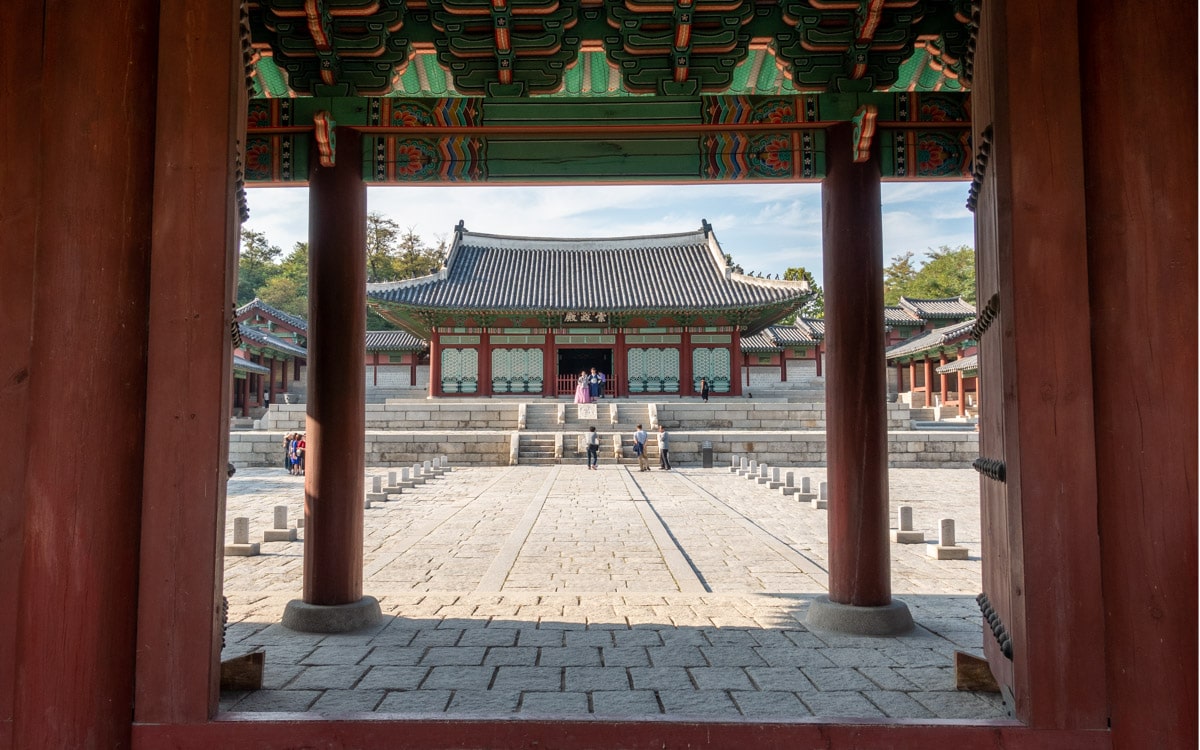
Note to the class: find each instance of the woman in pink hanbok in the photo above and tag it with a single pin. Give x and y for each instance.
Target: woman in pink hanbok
(582, 395)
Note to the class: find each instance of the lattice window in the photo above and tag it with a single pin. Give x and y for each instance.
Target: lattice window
(713, 364)
(653, 370)
(460, 370)
(517, 370)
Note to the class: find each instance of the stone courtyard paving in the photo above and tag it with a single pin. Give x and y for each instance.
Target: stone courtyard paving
(556, 591)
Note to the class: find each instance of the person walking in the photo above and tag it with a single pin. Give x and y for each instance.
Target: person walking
(639, 449)
(593, 449)
(704, 390)
(664, 449)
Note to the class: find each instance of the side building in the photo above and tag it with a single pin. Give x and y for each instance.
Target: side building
(528, 314)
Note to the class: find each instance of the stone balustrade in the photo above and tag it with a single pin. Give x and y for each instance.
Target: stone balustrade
(491, 447)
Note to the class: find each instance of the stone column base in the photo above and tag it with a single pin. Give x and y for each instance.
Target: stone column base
(890, 619)
(337, 618)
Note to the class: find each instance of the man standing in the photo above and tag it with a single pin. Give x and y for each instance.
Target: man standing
(593, 448)
(664, 449)
(639, 449)
(594, 384)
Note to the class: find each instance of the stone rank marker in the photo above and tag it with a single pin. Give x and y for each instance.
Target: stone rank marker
(734, 463)
(789, 487)
(241, 546)
(281, 532)
(821, 501)
(946, 549)
(775, 482)
(376, 495)
(905, 534)
(762, 477)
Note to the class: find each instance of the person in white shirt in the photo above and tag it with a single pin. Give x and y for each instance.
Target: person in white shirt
(639, 448)
(593, 449)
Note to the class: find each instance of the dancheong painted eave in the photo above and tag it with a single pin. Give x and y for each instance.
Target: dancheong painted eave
(685, 271)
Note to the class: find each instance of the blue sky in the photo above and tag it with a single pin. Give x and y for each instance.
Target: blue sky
(767, 228)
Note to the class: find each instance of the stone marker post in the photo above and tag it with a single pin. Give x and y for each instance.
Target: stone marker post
(946, 549)
(281, 532)
(905, 534)
(241, 546)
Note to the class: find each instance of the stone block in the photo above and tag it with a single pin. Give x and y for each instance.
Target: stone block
(279, 535)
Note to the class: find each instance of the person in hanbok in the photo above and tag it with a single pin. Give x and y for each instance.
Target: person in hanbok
(582, 394)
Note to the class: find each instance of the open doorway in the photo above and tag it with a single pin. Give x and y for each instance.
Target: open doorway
(574, 361)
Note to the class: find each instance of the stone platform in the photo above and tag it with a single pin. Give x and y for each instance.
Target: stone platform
(555, 591)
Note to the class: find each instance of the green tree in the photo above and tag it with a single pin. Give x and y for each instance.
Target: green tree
(947, 272)
(897, 278)
(415, 258)
(256, 264)
(815, 306)
(383, 237)
(285, 293)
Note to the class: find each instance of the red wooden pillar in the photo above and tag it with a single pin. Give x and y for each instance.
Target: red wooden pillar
(374, 368)
(686, 386)
(435, 364)
(549, 366)
(333, 482)
(912, 379)
(485, 363)
(783, 365)
(942, 376)
(271, 388)
(899, 377)
(962, 394)
(860, 593)
(818, 356)
(735, 353)
(246, 395)
(90, 188)
(928, 374)
(413, 358)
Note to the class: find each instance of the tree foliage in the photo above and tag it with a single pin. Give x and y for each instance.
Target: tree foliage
(946, 272)
(391, 254)
(815, 306)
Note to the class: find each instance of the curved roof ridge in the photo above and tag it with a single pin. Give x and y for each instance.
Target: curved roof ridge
(522, 241)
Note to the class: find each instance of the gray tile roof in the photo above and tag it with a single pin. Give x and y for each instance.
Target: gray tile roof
(968, 363)
(931, 309)
(245, 365)
(930, 339)
(816, 325)
(661, 272)
(393, 341)
(775, 338)
(262, 339)
(259, 305)
(761, 342)
(894, 315)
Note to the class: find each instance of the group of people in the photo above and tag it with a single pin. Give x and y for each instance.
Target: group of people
(293, 453)
(639, 449)
(590, 386)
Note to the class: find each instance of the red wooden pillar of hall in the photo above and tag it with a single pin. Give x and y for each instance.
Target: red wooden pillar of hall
(435, 364)
(337, 325)
(860, 592)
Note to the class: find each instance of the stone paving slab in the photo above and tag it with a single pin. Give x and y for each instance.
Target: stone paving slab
(555, 591)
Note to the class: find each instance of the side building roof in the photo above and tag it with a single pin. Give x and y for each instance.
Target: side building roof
(948, 308)
(659, 273)
(258, 305)
(254, 337)
(967, 364)
(930, 340)
(394, 341)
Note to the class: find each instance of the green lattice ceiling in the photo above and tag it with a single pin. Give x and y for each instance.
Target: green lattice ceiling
(606, 48)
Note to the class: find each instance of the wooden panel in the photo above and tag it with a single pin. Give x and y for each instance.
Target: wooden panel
(20, 180)
(993, 495)
(1140, 147)
(1057, 618)
(76, 604)
(188, 363)
(285, 732)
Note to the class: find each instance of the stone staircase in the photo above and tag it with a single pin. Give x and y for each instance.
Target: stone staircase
(536, 448)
